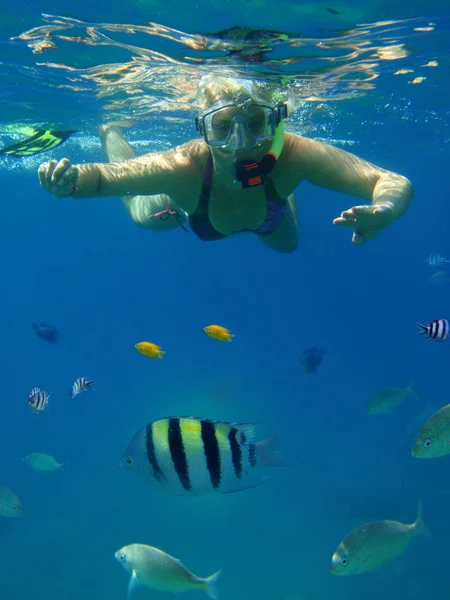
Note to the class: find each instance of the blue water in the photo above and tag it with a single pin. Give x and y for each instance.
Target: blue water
(83, 266)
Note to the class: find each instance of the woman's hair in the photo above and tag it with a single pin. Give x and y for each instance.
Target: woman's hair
(214, 87)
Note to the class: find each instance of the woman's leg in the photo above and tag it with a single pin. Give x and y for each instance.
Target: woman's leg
(285, 237)
(153, 212)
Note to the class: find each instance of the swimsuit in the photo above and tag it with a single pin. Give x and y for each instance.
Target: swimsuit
(201, 225)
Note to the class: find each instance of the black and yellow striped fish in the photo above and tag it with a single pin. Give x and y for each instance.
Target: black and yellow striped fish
(41, 141)
(194, 456)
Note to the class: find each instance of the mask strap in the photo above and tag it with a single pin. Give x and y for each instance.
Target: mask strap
(251, 172)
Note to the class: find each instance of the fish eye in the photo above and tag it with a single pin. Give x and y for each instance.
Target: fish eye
(344, 562)
(122, 557)
(16, 507)
(128, 462)
(427, 443)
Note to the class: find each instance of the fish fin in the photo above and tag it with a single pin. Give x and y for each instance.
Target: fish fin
(423, 328)
(248, 429)
(269, 453)
(133, 585)
(229, 337)
(419, 526)
(160, 353)
(242, 488)
(211, 585)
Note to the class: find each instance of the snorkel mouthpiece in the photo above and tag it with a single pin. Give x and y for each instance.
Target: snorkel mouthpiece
(251, 172)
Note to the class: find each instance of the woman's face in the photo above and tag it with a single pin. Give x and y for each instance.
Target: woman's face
(239, 130)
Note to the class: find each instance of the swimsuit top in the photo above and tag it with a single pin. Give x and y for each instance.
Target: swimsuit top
(201, 225)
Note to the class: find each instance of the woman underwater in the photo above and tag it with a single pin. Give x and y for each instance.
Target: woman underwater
(240, 176)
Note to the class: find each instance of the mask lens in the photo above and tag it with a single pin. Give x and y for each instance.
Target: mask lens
(258, 120)
(220, 123)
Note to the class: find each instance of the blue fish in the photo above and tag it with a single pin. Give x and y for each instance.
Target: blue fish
(46, 332)
(311, 359)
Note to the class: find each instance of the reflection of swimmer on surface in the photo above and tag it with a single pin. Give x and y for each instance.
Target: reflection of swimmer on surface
(240, 177)
(246, 44)
(311, 359)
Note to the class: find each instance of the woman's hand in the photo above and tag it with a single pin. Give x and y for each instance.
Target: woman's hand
(367, 220)
(58, 178)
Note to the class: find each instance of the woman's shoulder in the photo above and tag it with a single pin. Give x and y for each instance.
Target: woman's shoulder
(195, 152)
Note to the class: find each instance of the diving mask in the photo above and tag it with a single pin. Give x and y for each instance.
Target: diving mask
(240, 125)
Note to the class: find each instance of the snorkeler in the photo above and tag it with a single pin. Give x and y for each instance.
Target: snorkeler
(239, 177)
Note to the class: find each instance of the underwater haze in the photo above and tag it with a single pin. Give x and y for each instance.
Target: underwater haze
(371, 78)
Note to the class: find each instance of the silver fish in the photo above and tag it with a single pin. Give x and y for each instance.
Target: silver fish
(388, 398)
(373, 544)
(433, 440)
(10, 505)
(42, 462)
(440, 278)
(157, 570)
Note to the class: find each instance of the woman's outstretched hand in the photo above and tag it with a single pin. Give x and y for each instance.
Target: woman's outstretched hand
(58, 177)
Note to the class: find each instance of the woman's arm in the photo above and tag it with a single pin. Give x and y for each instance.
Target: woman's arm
(389, 193)
(157, 173)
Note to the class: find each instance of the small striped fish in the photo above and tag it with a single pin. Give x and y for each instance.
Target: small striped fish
(81, 384)
(438, 330)
(195, 456)
(38, 400)
(436, 260)
(33, 391)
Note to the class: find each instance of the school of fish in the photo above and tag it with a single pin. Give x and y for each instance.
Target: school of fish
(196, 456)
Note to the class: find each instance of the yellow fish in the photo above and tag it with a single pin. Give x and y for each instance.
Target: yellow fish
(149, 349)
(222, 334)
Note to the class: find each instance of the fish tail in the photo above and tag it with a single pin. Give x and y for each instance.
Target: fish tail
(229, 337)
(160, 353)
(419, 526)
(211, 585)
(423, 328)
(269, 453)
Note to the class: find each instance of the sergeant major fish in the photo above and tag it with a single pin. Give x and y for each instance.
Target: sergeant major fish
(436, 260)
(81, 384)
(388, 398)
(373, 544)
(155, 569)
(437, 330)
(38, 400)
(194, 456)
(433, 439)
(10, 505)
